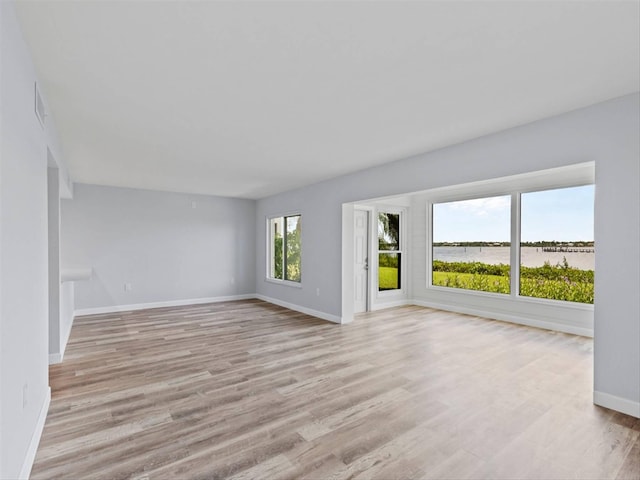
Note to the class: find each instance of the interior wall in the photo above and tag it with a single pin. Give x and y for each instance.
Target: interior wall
(157, 242)
(606, 133)
(617, 240)
(53, 201)
(23, 259)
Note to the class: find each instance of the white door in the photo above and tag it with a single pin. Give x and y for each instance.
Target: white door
(361, 259)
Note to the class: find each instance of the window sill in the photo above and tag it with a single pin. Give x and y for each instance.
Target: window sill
(514, 298)
(399, 292)
(285, 283)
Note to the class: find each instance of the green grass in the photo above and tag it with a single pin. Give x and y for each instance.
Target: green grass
(472, 281)
(387, 278)
(559, 282)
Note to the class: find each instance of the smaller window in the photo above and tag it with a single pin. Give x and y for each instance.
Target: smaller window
(389, 252)
(285, 248)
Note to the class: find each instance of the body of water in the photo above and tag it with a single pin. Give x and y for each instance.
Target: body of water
(531, 256)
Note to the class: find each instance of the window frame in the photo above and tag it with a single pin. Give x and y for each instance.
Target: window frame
(269, 256)
(564, 177)
(402, 250)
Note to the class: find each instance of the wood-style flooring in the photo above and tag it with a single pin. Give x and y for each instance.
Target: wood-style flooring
(249, 390)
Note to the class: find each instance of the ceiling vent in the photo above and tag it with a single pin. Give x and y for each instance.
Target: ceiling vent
(39, 105)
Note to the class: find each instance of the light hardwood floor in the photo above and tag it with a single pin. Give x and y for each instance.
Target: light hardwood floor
(249, 390)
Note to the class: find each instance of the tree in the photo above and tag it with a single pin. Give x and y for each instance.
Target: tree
(388, 231)
(277, 256)
(293, 252)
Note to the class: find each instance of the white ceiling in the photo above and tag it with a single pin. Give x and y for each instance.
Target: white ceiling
(248, 99)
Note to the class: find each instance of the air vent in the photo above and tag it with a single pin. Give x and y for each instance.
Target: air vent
(40, 113)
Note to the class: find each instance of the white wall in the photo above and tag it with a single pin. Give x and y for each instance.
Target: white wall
(155, 241)
(606, 133)
(53, 226)
(23, 255)
(617, 278)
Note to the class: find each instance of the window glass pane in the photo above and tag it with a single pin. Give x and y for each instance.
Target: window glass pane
(388, 231)
(292, 248)
(557, 250)
(276, 228)
(389, 271)
(471, 244)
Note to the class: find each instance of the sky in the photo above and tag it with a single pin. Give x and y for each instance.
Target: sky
(563, 215)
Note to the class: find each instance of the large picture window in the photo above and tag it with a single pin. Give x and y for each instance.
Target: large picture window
(471, 244)
(557, 252)
(285, 248)
(389, 252)
(474, 245)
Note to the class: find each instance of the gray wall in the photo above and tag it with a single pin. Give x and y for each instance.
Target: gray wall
(53, 199)
(23, 253)
(606, 133)
(158, 243)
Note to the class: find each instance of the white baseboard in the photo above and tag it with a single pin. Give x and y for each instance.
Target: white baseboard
(618, 404)
(530, 322)
(170, 303)
(27, 464)
(298, 308)
(55, 358)
(393, 303)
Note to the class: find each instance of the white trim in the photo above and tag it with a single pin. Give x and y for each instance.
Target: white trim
(25, 471)
(170, 303)
(618, 404)
(504, 317)
(540, 180)
(393, 303)
(347, 270)
(385, 298)
(465, 293)
(63, 346)
(298, 308)
(514, 248)
(55, 358)
(198, 301)
(269, 253)
(286, 283)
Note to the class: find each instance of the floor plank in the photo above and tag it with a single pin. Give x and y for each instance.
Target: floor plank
(250, 390)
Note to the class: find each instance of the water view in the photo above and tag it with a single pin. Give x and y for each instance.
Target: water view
(471, 244)
(529, 256)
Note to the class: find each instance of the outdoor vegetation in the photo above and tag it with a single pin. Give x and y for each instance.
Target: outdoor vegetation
(286, 255)
(556, 282)
(389, 254)
(388, 272)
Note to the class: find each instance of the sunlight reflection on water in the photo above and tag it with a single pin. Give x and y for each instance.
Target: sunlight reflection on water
(531, 256)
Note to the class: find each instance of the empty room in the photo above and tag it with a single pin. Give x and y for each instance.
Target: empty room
(319, 239)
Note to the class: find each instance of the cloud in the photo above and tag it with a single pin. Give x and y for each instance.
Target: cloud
(482, 206)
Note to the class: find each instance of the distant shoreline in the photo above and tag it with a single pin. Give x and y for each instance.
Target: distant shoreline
(541, 243)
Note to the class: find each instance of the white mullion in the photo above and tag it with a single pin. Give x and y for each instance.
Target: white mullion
(284, 248)
(515, 245)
